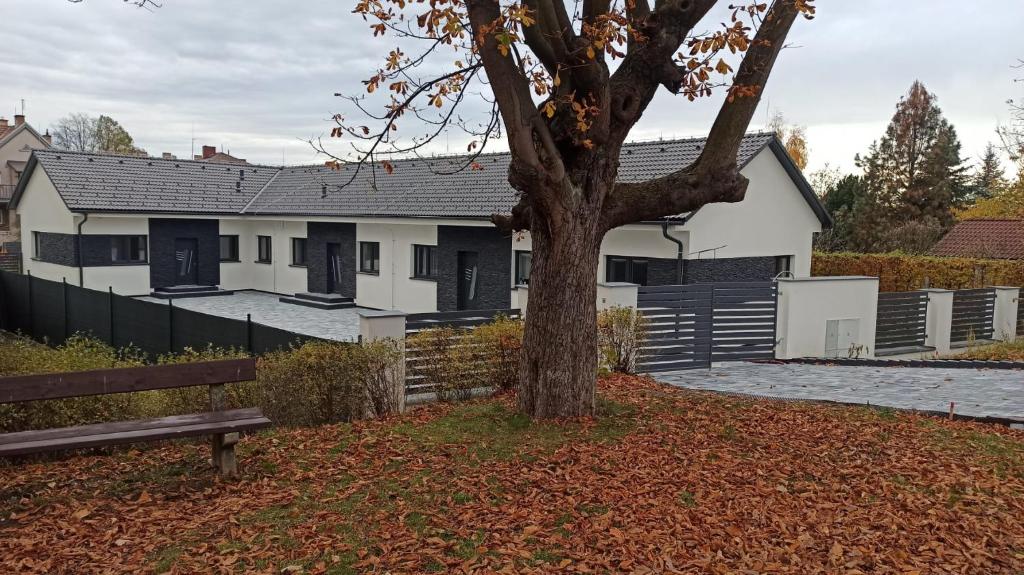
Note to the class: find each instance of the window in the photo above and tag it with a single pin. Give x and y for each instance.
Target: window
(424, 261)
(369, 257)
(229, 248)
(37, 245)
(298, 251)
(3, 216)
(128, 249)
(626, 269)
(783, 265)
(523, 261)
(263, 249)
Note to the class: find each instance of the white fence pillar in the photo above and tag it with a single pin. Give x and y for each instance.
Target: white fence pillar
(520, 297)
(939, 322)
(377, 325)
(827, 317)
(1004, 320)
(616, 294)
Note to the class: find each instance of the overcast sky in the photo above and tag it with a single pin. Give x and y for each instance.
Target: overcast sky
(258, 76)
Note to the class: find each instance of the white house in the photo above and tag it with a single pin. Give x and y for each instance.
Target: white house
(416, 240)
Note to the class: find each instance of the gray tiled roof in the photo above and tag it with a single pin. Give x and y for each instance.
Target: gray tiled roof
(103, 182)
(97, 182)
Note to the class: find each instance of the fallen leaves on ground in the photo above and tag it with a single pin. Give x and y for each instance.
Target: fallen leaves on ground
(665, 481)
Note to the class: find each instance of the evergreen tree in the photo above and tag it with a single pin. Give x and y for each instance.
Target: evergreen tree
(989, 179)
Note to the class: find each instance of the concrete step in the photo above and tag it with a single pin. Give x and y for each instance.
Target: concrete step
(318, 304)
(185, 288)
(209, 291)
(324, 297)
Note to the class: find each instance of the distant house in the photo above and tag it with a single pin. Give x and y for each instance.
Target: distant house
(16, 144)
(984, 238)
(210, 154)
(417, 240)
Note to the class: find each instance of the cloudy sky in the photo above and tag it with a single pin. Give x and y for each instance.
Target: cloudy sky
(258, 76)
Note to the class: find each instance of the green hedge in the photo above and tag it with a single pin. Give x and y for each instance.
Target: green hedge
(903, 272)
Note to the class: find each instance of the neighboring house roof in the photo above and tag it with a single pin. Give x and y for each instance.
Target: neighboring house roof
(984, 238)
(420, 187)
(7, 134)
(222, 158)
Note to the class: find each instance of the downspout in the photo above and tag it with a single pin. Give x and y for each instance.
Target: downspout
(78, 240)
(679, 252)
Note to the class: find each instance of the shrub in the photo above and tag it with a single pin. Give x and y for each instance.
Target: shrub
(903, 272)
(318, 382)
(452, 362)
(620, 333)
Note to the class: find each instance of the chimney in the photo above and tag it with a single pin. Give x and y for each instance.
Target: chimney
(19, 119)
(209, 151)
(48, 137)
(3, 123)
(168, 156)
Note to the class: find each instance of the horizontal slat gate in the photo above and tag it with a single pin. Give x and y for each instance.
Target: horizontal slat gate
(902, 317)
(973, 313)
(689, 326)
(743, 321)
(678, 327)
(461, 320)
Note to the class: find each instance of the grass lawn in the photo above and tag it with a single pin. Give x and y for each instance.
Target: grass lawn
(666, 480)
(1003, 351)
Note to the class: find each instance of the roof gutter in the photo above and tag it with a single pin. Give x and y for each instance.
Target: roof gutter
(78, 241)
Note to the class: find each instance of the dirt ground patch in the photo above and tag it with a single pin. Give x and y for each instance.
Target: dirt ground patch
(666, 480)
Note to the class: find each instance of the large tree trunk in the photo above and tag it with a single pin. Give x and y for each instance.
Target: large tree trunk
(559, 367)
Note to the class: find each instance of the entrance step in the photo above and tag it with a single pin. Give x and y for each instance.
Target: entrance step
(177, 292)
(320, 300)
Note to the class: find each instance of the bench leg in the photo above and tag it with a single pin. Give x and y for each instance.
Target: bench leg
(224, 453)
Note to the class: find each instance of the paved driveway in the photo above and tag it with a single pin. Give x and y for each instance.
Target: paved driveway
(336, 324)
(975, 392)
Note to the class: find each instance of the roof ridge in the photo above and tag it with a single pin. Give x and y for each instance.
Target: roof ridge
(58, 151)
(260, 192)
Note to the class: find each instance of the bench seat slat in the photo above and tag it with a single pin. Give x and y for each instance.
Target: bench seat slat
(134, 425)
(102, 434)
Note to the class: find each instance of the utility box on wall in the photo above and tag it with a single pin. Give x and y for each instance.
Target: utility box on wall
(841, 337)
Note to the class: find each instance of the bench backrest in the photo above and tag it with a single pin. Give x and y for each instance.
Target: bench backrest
(123, 380)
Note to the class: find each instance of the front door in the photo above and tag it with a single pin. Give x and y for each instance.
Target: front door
(333, 268)
(468, 281)
(186, 264)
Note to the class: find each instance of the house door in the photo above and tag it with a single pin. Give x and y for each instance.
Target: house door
(186, 264)
(333, 268)
(468, 281)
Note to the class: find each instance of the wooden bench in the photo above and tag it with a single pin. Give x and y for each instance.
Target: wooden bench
(223, 425)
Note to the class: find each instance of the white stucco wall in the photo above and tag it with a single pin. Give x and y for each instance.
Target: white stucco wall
(279, 276)
(773, 219)
(807, 304)
(125, 279)
(394, 287)
(42, 209)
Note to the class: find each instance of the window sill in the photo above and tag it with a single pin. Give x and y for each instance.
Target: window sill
(303, 266)
(265, 262)
(234, 261)
(124, 264)
(368, 273)
(424, 278)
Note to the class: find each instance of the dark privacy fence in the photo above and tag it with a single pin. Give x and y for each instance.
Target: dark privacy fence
(54, 311)
(901, 321)
(973, 315)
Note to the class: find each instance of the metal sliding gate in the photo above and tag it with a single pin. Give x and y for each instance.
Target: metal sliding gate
(690, 326)
(901, 320)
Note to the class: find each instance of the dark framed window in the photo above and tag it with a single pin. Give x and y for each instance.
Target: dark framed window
(3, 216)
(229, 248)
(783, 265)
(524, 260)
(298, 251)
(626, 269)
(424, 261)
(37, 245)
(369, 257)
(128, 249)
(263, 250)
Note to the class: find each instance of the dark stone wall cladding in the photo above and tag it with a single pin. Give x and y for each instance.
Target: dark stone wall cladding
(318, 235)
(661, 272)
(163, 231)
(730, 270)
(56, 248)
(494, 263)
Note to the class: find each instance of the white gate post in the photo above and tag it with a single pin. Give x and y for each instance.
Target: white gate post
(376, 325)
(939, 321)
(616, 294)
(1004, 317)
